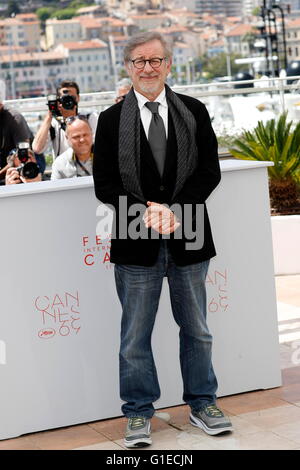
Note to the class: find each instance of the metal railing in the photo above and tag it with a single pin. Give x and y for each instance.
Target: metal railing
(232, 105)
(215, 88)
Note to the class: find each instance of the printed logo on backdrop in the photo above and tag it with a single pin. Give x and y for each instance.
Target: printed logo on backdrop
(96, 250)
(59, 315)
(96, 247)
(217, 294)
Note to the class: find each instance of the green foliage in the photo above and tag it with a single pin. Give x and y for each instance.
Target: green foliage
(226, 141)
(52, 11)
(272, 141)
(12, 8)
(44, 13)
(64, 14)
(216, 66)
(49, 160)
(250, 38)
(79, 4)
(123, 73)
(256, 11)
(73, 3)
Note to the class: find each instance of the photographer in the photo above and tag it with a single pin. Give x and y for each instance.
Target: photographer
(52, 130)
(13, 129)
(22, 166)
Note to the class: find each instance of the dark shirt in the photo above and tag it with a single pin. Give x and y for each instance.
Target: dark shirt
(13, 129)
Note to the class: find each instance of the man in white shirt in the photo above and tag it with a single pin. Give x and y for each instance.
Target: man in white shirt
(157, 150)
(52, 130)
(77, 160)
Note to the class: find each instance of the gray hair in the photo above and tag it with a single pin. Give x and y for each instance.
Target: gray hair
(125, 82)
(143, 38)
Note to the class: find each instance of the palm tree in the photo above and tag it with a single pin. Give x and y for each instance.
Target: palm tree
(275, 142)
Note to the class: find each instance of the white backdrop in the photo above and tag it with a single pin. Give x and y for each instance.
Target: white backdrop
(60, 317)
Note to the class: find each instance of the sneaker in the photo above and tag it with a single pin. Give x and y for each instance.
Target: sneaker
(138, 432)
(211, 420)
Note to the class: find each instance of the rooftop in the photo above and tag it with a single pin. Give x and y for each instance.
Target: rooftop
(90, 9)
(60, 22)
(182, 45)
(239, 30)
(183, 12)
(174, 28)
(293, 23)
(77, 45)
(148, 17)
(16, 21)
(30, 56)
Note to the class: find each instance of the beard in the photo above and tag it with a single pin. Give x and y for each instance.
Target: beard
(150, 87)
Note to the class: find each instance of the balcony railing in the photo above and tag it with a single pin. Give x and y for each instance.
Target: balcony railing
(233, 106)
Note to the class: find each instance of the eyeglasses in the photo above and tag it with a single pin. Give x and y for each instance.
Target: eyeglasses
(155, 62)
(71, 119)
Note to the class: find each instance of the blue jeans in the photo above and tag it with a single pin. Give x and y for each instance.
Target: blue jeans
(139, 289)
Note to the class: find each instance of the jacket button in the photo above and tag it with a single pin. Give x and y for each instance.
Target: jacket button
(162, 188)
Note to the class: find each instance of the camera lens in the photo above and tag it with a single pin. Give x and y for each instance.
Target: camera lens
(68, 102)
(30, 170)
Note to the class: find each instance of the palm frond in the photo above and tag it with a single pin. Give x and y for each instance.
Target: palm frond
(272, 141)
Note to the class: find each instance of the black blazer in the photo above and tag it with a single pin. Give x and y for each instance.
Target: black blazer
(197, 188)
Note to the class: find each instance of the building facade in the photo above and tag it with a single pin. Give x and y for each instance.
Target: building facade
(219, 7)
(89, 64)
(32, 74)
(236, 42)
(60, 31)
(293, 39)
(21, 31)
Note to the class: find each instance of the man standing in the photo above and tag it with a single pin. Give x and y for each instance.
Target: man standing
(158, 148)
(53, 127)
(13, 129)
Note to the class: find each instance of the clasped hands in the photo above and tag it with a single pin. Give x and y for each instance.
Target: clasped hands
(160, 218)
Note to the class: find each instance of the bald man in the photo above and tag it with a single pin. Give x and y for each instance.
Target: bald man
(78, 159)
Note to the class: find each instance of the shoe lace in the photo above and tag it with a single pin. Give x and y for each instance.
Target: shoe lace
(136, 422)
(213, 410)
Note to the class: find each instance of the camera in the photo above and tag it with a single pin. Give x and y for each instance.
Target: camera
(52, 105)
(67, 101)
(27, 169)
